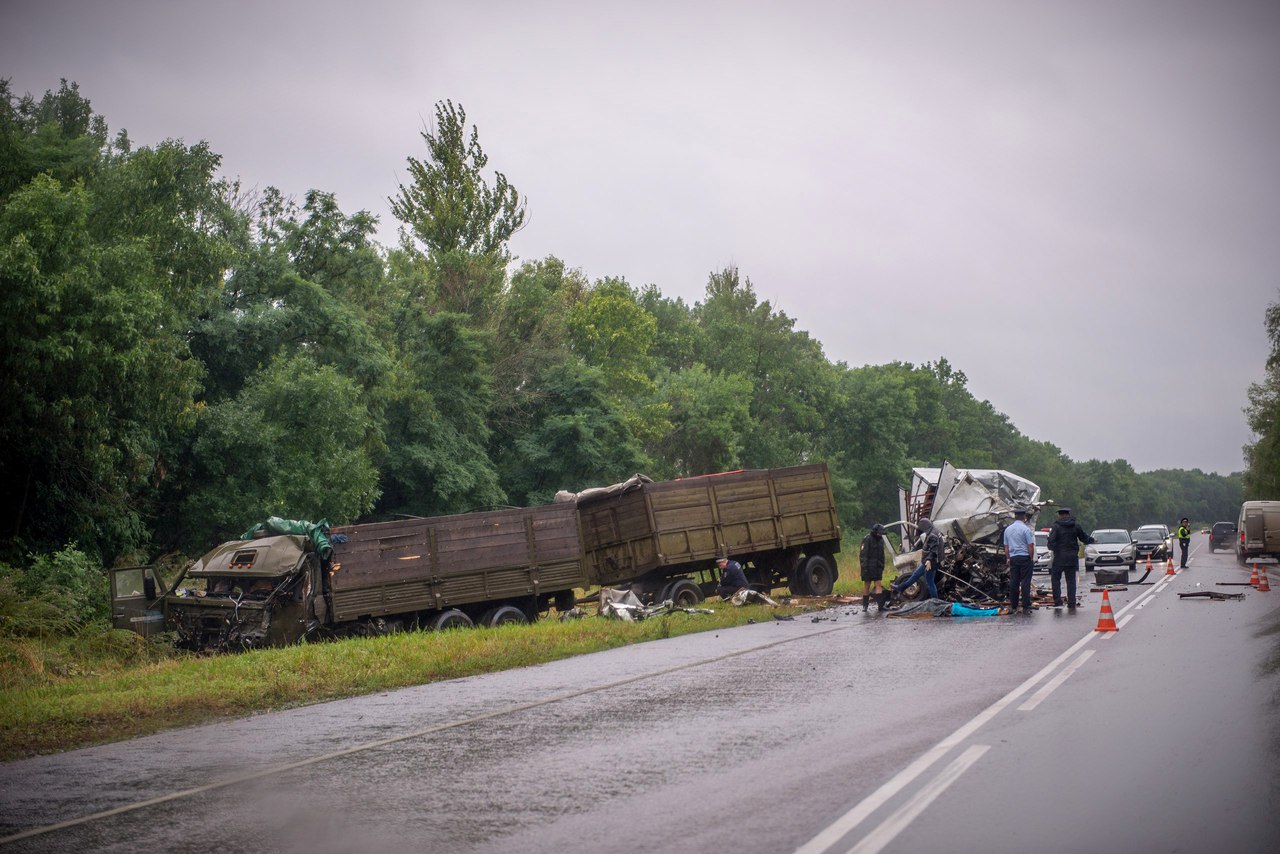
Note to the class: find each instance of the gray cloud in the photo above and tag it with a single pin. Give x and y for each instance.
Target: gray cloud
(1080, 192)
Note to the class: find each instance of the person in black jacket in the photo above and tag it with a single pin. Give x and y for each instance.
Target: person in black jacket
(871, 564)
(930, 562)
(1064, 541)
(732, 578)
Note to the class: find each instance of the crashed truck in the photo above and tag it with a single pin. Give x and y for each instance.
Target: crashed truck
(970, 508)
(286, 582)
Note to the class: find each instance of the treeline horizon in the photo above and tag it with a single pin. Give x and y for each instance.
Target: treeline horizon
(183, 358)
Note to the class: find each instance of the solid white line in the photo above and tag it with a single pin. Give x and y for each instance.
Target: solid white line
(1063, 676)
(907, 813)
(835, 831)
(395, 739)
(1123, 620)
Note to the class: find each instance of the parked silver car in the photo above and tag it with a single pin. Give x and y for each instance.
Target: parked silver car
(1110, 547)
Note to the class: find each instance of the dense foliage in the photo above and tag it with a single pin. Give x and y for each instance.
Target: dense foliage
(182, 358)
(1262, 456)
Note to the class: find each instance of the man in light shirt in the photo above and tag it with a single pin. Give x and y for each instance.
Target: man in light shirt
(1020, 553)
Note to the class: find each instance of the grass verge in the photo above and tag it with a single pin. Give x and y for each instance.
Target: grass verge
(51, 712)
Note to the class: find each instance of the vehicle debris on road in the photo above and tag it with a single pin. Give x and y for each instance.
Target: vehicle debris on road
(1213, 595)
(626, 606)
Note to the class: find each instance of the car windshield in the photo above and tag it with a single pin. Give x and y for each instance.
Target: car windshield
(1111, 537)
(1148, 537)
(1042, 540)
(1223, 526)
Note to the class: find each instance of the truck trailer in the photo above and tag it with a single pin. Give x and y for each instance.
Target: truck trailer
(290, 582)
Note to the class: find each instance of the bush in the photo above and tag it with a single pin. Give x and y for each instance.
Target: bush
(56, 593)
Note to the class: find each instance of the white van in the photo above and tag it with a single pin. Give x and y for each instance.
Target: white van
(1258, 531)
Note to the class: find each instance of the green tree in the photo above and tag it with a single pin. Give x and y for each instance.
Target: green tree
(1262, 456)
(710, 416)
(462, 222)
(290, 444)
(575, 438)
(436, 425)
(791, 380)
(100, 275)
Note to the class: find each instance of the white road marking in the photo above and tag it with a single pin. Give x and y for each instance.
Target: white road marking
(835, 831)
(395, 739)
(1123, 620)
(896, 823)
(1063, 676)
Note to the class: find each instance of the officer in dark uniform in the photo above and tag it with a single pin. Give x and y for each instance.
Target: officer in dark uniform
(732, 578)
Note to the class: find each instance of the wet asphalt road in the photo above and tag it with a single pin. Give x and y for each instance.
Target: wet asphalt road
(896, 735)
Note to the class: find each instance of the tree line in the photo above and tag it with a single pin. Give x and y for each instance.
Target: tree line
(184, 356)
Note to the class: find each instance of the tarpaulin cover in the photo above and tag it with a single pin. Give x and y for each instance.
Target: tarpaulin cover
(939, 608)
(634, 482)
(316, 532)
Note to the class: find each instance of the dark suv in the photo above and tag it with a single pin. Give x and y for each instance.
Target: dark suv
(1222, 535)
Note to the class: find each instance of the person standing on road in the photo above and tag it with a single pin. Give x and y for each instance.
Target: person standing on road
(929, 564)
(1064, 542)
(871, 563)
(732, 578)
(1184, 539)
(1020, 557)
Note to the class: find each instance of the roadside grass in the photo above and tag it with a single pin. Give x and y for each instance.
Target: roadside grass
(54, 696)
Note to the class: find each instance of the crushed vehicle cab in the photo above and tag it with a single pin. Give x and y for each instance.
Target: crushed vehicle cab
(970, 508)
(247, 594)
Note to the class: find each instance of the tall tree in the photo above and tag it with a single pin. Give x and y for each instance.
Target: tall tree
(100, 275)
(1262, 456)
(462, 223)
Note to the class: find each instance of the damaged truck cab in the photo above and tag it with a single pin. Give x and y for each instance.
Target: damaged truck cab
(247, 594)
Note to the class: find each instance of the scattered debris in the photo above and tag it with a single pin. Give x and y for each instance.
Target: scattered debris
(626, 606)
(574, 613)
(745, 595)
(1215, 595)
(1102, 588)
(783, 617)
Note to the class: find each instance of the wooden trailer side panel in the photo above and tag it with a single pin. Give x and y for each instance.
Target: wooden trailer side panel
(446, 561)
(680, 522)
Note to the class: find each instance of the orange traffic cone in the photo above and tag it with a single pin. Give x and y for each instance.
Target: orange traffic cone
(1148, 561)
(1106, 620)
(1169, 570)
(1253, 579)
(1263, 586)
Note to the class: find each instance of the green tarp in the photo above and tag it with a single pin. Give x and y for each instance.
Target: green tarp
(316, 532)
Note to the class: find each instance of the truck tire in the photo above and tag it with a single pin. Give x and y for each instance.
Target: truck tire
(451, 619)
(683, 593)
(502, 615)
(817, 576)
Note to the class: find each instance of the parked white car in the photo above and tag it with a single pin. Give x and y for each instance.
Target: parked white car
(1044, 557)
(1110, 547)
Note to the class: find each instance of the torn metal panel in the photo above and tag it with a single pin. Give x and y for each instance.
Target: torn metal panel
(1215, 595)
(623, 604)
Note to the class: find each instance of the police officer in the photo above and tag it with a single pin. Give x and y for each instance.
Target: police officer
(1184, 539)
(732, 578)
(1064, 540)
(1020, 555)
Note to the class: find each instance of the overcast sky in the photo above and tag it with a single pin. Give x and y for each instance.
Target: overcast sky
(1085, 192)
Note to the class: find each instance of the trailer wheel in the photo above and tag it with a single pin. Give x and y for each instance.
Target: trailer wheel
(502, 615)
(818, 576)
(683, 593)
(451, 619)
